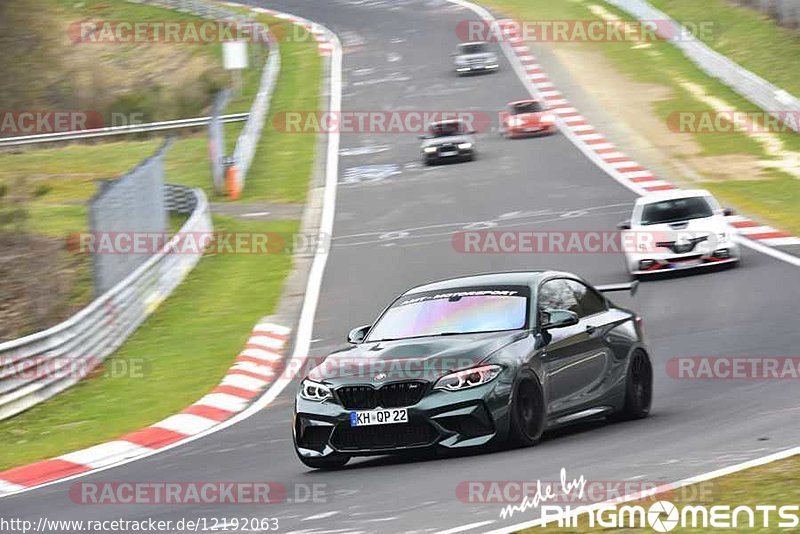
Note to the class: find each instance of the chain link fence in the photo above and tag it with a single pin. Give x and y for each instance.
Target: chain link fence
(774, 100)
(134, 203)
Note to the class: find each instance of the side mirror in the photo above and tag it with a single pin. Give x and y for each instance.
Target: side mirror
(624, 225)
(558, 319)
(728, 212)
(358, 334)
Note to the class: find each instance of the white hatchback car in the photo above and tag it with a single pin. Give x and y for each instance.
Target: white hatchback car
(677, 230)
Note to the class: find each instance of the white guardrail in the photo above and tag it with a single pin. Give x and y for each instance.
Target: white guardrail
(757, 90)
(36, 367)
(80, 135)
(39, 366)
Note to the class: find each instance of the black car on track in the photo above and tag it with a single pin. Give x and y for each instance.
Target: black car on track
(472, 361)
(449, 140)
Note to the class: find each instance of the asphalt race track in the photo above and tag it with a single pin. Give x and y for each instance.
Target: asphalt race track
(393, 229)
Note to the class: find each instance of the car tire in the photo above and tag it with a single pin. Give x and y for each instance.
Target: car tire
(332, 461)
(527, 411)
(638, 387)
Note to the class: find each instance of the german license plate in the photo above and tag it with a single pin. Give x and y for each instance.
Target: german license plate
(379, 417)
(449, 153)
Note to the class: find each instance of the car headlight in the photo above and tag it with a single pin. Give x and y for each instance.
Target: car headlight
(465, 146)
(549, 118)
(468, 378)
(515, 121)
(430, 149)
(314, 391)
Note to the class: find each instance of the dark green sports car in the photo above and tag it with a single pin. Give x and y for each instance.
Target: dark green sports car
(475, 360)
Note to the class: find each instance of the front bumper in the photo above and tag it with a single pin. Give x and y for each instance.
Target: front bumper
(456, 155)
(655, 262)
(530, 131)
(467, 418)
(476, 69)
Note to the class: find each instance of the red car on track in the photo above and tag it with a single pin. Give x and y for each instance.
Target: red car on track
(526, 118)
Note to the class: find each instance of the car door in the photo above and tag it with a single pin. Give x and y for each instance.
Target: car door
(593, 377)
(569, 354)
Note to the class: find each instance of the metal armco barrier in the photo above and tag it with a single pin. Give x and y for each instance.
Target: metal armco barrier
(41, 365)
(751, 86)
(248, 139)
(129, 129)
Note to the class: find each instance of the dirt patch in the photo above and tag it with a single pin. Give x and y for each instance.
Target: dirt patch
(37, 280)
(629, 106)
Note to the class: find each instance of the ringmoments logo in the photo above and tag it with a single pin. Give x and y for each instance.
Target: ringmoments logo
(664, 516)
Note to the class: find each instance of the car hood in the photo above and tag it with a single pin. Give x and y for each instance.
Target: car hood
(529, 118)
(712, 224)
(436, 141)
(425, 358)
(483, 56)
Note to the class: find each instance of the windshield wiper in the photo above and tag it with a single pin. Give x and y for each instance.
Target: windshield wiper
(450, 333)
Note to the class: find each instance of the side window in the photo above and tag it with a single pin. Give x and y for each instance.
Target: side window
(557, 295)
(589, 301)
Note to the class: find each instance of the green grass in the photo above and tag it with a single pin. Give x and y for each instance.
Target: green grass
(664, 65)
(182, 351)
(286, 179)
(747, 36)
(776, 484)
(781, 196)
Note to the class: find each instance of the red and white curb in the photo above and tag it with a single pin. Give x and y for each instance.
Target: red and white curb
(626, 170)
(256, 367)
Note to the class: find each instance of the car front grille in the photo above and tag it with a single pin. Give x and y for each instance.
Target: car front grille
(449, 147)
(415, 433)
(682, 248)
(365, 397)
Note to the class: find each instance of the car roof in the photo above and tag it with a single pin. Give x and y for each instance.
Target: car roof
(508, 278)
(669, 195)
(528, 101)
(447, 121)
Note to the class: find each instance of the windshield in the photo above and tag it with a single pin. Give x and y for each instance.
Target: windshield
(444, 129)
(526, 107)
(679, 209)
(458, 311)
(473, 48)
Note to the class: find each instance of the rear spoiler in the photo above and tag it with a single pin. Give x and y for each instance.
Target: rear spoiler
(627, 286)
